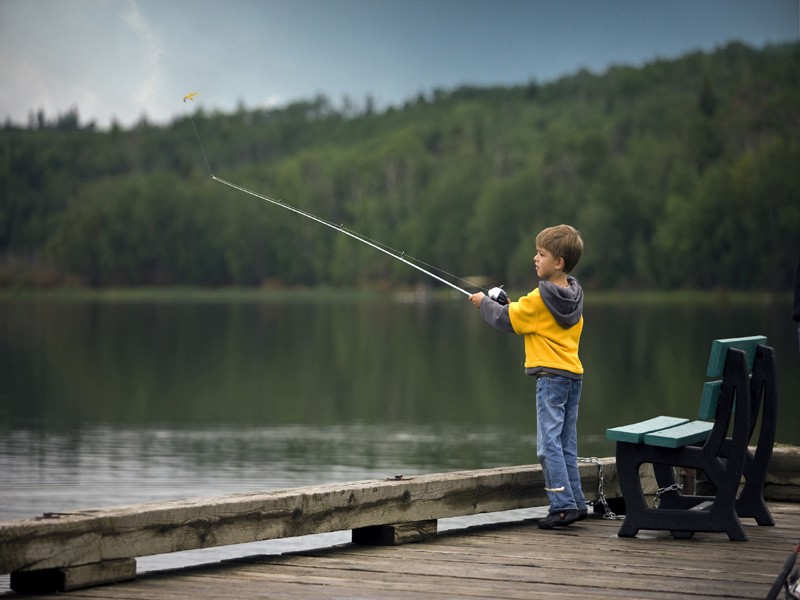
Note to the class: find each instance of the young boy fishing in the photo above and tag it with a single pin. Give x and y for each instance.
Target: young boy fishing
(551, 320)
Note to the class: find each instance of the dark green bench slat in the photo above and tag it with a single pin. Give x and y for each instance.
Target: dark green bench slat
(674, 432)
(635, 433)
(719, 350)
(708, 401)
(681, 435)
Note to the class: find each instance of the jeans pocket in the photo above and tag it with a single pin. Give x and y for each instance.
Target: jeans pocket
(553, 390)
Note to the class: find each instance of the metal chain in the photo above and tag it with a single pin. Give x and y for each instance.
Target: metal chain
(608, 513)
(601, 499)
(675, 487)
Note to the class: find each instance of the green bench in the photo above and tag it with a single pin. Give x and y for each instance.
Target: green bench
(716, 443)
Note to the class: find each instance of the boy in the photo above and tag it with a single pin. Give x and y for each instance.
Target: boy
(551, 319)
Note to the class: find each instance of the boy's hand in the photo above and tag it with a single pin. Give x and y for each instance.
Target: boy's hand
(498, 294)
(476, 299)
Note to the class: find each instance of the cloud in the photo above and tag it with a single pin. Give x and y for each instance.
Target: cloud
(272, 101)
(151, 53)
(22, 81)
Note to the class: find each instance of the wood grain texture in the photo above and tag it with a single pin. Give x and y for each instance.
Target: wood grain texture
(503, 561)
(162, 527)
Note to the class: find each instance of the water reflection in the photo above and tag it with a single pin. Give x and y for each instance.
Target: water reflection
(263, 363)
(97, 466)
(110, 402)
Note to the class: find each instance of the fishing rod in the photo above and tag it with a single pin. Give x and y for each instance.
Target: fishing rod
(497, 294)
(341, 229)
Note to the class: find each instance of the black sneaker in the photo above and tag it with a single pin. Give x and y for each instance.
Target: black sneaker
(582, 513)
(563, 517)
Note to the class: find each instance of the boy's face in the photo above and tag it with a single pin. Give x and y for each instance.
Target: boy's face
(547, 266)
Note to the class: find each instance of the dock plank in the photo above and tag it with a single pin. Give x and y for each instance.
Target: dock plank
(524, 573)
(106, 534)
(509, 560)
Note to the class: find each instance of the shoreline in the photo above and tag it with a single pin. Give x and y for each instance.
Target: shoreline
(427, 294)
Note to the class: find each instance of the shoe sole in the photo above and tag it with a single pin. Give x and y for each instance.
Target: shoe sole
(560, 523)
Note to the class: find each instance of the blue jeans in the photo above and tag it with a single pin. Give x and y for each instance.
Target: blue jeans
(557, 400)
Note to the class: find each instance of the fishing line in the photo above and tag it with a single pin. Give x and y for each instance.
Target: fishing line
(341, 229)
(203, 150)
(396, 254)
(419, 261)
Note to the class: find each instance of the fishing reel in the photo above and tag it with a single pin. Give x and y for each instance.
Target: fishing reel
(498, 294)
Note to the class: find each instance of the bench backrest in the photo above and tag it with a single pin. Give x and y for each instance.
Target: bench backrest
(716, 364)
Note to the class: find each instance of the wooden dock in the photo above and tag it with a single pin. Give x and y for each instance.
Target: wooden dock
(396, 551)
(586, 560)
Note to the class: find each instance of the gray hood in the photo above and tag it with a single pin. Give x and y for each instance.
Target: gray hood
(565, 304)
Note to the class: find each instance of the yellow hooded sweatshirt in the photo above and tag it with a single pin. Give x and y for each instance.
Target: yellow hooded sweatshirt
(551, 319)
(548, 344)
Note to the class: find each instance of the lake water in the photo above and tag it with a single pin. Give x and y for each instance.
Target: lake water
(119, 402)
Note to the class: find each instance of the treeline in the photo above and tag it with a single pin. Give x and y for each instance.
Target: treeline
(680, 174)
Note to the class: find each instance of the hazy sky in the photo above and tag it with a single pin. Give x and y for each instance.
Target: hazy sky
(121, 59)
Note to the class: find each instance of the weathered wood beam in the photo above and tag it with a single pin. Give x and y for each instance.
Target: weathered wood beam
(396, 534)
(783, 475)
(73, 578)
(96, 536)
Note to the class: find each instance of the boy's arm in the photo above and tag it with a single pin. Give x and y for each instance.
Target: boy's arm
(493, 313)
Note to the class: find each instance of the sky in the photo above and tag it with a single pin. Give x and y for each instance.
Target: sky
(122, 60)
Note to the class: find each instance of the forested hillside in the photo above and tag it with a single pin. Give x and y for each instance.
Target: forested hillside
(679, 174)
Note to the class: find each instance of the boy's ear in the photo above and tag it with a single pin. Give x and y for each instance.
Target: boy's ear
(559, 264)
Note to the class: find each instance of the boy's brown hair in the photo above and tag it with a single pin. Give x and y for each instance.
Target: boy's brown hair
(562, 241)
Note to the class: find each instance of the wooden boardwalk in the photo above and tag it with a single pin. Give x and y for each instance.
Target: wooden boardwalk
(516, 560)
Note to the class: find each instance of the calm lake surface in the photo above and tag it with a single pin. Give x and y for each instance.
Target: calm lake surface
(107, 402)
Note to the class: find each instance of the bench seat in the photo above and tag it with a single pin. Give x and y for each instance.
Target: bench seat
(680, 435)
(635, 433)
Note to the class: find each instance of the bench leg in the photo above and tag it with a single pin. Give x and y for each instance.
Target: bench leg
(736, 534)
(682, 535)
(628, 528)
(764, 399)
(631, 487)
(728, 521)
(750, 502)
